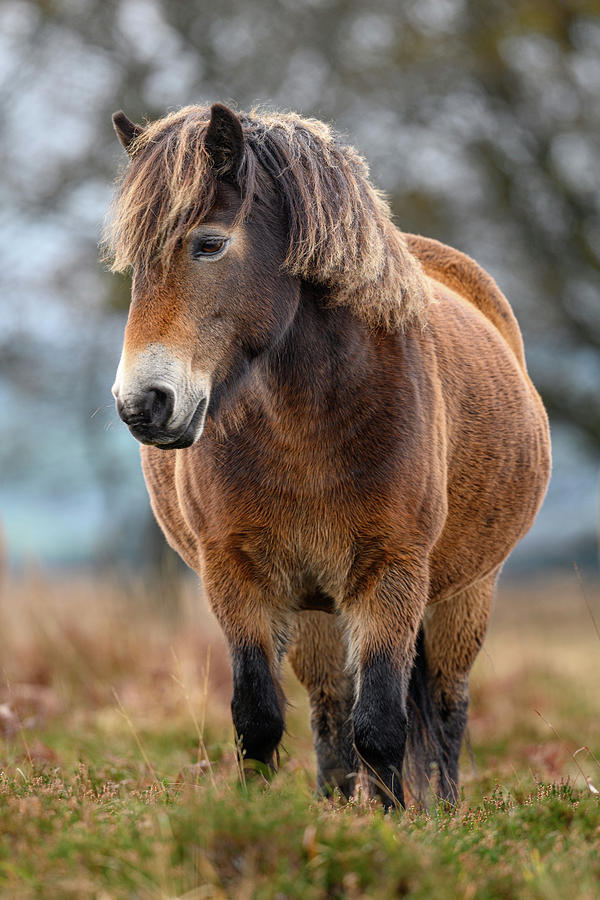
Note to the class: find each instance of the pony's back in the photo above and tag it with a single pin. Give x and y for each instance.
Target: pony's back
(463, 275)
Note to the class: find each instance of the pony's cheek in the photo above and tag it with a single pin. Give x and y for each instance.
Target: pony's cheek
(213, 349)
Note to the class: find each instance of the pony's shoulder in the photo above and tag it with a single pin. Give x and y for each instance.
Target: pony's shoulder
(463, 275)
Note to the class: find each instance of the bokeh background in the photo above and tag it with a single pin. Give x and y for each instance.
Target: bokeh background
(481, 120)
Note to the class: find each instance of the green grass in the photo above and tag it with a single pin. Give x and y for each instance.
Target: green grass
(101, 832)
(118, 774)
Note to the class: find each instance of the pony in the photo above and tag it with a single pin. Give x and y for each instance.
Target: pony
(338, 430)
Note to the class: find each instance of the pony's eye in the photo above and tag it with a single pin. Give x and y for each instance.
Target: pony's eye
(209, 246)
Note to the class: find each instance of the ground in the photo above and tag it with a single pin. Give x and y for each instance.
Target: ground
(118, 775)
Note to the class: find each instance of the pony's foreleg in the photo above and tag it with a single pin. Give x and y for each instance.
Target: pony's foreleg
(454, 633)
(257, 704)
(256, 638)
(318, 657)
(383, 625)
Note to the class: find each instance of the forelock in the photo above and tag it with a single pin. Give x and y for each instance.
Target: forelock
(339, 229)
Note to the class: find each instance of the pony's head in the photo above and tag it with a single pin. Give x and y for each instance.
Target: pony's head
(221, 217)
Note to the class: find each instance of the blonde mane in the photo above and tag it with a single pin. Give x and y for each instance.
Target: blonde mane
(340, 233)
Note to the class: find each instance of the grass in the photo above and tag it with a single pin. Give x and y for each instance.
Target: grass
(118, 774)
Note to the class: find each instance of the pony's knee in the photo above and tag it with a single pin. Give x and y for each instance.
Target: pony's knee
(255, 705)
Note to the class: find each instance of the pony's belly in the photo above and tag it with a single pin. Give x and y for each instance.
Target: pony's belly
(488, 519)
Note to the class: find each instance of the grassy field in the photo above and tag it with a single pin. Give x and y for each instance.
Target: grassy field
(118, 774)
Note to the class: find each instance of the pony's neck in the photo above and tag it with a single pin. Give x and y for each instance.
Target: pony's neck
(323, 362)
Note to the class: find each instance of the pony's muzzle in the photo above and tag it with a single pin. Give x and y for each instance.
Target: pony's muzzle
(149, 417)
(159, 399)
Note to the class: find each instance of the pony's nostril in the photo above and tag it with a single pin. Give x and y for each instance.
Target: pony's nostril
(158, 406)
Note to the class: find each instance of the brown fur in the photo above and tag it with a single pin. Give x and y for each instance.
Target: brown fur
(461, 273)
(389, 449)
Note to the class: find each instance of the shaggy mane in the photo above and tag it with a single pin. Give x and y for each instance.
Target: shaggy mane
(340, 231)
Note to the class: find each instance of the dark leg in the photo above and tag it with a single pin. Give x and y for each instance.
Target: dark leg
(380, 727)
(256, 629)
(453, 713)
(318, 657)
(383, 620)
(256, 705)
(454, 633)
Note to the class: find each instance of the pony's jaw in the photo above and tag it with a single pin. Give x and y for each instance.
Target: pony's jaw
(161, 400)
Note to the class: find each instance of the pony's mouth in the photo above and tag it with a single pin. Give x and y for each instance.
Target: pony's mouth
(164, 439)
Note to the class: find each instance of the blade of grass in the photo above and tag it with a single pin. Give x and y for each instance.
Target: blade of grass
(587, 780)
(136, 737)
(587, 601)
(20, 726)
(199, 726)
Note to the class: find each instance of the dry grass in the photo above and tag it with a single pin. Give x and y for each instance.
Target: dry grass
(79, 650)
(536, 685)
(86, 652)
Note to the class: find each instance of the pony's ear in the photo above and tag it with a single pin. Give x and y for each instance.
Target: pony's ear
(125, 129)
(224, 140)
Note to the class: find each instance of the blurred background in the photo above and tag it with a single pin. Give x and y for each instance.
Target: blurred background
(481, 120)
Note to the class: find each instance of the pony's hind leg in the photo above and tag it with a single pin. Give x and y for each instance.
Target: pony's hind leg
(318, 657)
(453, 634)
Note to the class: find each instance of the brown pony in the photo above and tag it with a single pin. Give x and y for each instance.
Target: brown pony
(340, 434)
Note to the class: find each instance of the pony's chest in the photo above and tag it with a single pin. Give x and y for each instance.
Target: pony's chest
(292, 524)
(295, 517)
(302, 546)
